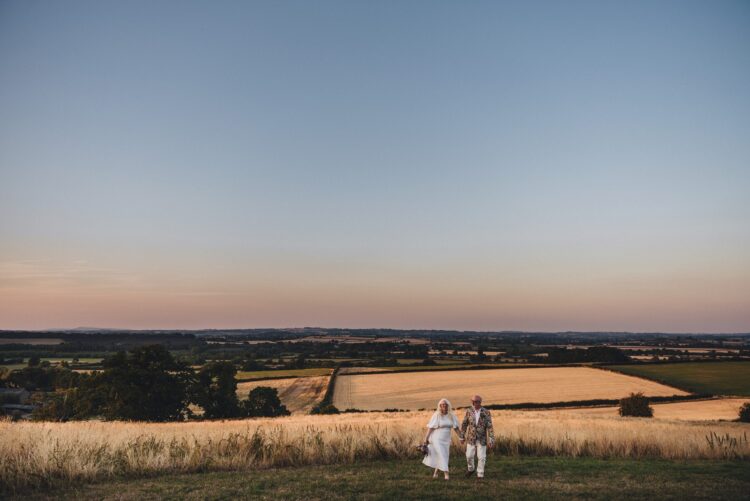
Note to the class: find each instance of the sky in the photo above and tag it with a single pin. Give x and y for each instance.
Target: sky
(539, 166)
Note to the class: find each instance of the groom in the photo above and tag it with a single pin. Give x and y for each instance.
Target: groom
(476, 429)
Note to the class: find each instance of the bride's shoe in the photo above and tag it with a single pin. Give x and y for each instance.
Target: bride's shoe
(447, 477)
(435, 475)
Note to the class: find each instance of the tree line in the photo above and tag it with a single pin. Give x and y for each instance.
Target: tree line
(145, 384)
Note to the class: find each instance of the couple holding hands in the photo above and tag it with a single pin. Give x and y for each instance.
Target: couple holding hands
(475, 430)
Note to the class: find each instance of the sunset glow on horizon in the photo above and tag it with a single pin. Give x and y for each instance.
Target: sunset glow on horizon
(474, 166)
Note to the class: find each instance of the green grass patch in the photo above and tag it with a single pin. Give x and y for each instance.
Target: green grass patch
(717, 378)
(506, 478)
(85, 360)
(272, 374)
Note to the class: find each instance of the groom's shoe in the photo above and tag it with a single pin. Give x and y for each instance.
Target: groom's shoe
(470, 473)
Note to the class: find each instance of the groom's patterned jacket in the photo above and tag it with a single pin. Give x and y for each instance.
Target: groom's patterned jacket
(477, 433)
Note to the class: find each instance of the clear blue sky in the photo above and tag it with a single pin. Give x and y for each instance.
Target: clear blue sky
(470, 165)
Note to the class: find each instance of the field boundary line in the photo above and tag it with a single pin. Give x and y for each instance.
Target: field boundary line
(601, 402)
(273, 378)
(328, 397)
(464, 368)
(570, 404)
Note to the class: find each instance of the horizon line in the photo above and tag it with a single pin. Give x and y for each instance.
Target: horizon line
(505, 331)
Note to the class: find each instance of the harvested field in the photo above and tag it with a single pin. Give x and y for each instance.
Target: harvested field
(298, 394)
(697, 410)
(503, 386)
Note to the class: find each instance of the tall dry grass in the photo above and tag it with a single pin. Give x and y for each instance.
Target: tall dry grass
(46, 454)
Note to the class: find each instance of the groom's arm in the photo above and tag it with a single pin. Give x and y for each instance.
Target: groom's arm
(490, 430)
(464, 425)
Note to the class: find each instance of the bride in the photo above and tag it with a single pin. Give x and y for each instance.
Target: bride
(439, 437)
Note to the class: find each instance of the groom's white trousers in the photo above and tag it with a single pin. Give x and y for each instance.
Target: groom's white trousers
(481, 453)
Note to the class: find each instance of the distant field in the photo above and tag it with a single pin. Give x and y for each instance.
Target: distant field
(70, 360)
(347, 339)
(299, 394)
(39, 341)
(82, 360)
(503, 386)
(252, 375)
(53, 361)
(13, 367)
(697, 410)
(718, 349)
(718, 378)
(465, 352)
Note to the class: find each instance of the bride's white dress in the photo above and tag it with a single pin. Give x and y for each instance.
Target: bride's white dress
(440, 440)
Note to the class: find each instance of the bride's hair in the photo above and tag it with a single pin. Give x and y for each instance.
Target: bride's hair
(450, 407)
(436, 416)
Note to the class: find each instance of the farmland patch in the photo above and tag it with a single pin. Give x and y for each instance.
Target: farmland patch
(507, 386)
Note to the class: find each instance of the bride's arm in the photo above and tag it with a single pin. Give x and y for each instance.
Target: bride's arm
(427, 435)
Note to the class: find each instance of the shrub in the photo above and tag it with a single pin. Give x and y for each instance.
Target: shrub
(745, 413)
(325, 409)
(636, 405)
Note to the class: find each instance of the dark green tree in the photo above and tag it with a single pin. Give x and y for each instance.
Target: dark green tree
(263, 401)
(216, 391)
(43, 378)
(300, 362)
(146, 384)
(250, 363)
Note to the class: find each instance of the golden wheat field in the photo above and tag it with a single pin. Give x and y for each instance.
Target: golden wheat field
(695, 410)
(37, 454)
(298, 394)
(502, 386)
